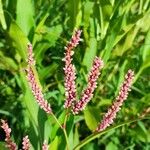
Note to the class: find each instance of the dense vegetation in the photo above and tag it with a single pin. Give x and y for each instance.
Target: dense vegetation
(115, 30)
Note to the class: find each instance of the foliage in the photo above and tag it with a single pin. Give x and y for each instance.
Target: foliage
(118, 31)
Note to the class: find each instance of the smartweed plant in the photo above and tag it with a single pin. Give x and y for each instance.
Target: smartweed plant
(72, 105)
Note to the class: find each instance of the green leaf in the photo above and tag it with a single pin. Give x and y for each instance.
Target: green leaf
(19, 40)
(53, 34)
(91, 117)
(146, 48)
(89, 146)
(58, 143)
(39, 28)
(3, 146)
(48, 71)
(76, 136)
(49, 38)
(87, 21)
(55, 144)
(90, 53)
(56, 126)
(145, 65)
(7, 63)
(87, 12)
(105, 9)
(128, 43)
(47, 129)
(111, 146)
(73, 9)
(70, 123)
(108, 48)
(24, 15)
(2, 17)
(121, 75)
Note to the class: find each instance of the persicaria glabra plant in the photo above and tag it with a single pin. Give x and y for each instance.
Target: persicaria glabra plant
(72, 105)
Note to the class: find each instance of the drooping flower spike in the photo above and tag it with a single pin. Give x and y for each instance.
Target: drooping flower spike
(109, 117)
(92, 84)
(26, 143)
(36, 89)
(69, 69)
(9, 143)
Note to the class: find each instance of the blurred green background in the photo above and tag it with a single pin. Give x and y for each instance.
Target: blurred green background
(115, 30)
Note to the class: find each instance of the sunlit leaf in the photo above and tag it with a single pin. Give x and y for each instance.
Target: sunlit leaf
(2, 17)
(24, 15)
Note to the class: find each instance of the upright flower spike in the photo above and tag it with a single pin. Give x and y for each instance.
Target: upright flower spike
(26, 143)
(36, 90)
(112, 111)
(69, 69)
(92, 82)
(9, 143)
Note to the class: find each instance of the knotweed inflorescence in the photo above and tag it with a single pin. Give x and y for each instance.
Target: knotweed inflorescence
(71, 102)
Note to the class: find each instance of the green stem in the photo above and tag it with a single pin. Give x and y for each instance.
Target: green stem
(66, 137)
(98, 134)
(56, 120)
(64, 130)
(66, 117)
(65, 133)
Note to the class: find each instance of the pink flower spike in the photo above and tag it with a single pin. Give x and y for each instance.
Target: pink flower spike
(25, 143)
(92, 82)
(9, 143)
(123, 94)
(44, 146)
(69, 69)
(36, 90)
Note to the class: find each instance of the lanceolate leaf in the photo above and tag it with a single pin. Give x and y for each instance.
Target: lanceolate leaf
(25, 14)
(2, 17)
(91, 115)
(19, 40)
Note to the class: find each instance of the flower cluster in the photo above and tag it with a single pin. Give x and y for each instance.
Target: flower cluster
(9, 143)
(36, 90)
(112, 111)
(70, 76)
(26, 143)
(88, 92)
(69, 70)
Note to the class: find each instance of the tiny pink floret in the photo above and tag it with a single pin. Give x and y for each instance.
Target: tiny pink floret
(45, 146)
(26, 143)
